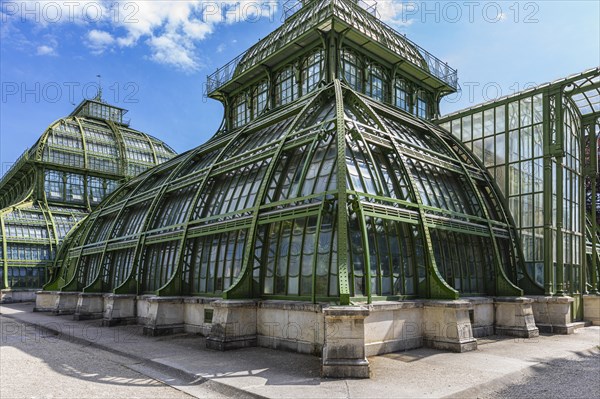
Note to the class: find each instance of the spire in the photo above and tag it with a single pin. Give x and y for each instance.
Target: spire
(99, 95)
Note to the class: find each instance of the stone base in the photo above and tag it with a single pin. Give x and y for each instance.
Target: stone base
(514, 317)
(481, 316)
(342, 335)
(239, 342)
(156, 331)
(393, 326)
(483, 331)
(345, 369)
(344, 349)
(566, 329)
(197, 315)
(89, 306)
(517, 332)
(121, 321)
(160, 315)
(45, 301)
(552, 314)
(591, 309)
(447, 326)
(233, 326)
(66, 303)
(119, 310)
(10, 295)
(291, 326)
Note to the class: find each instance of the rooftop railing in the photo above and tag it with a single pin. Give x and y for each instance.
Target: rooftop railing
(290, 7)
(21, 160)
(435, 66)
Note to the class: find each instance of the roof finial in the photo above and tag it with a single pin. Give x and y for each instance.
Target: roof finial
(99, 95)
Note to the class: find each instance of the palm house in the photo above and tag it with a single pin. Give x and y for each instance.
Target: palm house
(77, 162)
(329, 215)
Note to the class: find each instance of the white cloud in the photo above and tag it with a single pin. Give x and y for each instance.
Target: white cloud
(171, 50)
(46, 50)
(170, 29)
(396, 13)
(98, 41)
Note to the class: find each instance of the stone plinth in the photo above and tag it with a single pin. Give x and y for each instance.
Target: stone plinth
(164, 315)
(233, 325)
(447, 326)
(291, 326)
(514, 317)
(591, 309)
(482, 316)
(9, 295)
(393, 326)
(197, 315)
(344, 349)
(66, 303)
(552, 314)
(89, 306)
(119, 309)
(45, 301)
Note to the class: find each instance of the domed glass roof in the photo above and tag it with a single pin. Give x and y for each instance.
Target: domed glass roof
(335, 197)
(74, 165)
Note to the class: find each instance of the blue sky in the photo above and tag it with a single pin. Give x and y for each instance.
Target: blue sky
(154, 56)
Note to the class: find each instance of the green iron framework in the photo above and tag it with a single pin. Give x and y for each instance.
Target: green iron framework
(326, 183)
(334, 198)
(77, 162)
(541, 145)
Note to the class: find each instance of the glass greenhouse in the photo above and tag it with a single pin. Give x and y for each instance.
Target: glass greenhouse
(77, 162)
(327, 183)
(541, 146)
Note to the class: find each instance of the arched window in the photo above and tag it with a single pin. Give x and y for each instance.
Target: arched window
(286, 87)
(351, 70)
(240, 111)
(312, 71)
(376, 87)
(260, 97)
(401, 95)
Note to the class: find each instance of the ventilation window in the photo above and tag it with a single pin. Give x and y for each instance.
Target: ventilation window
(208, 315)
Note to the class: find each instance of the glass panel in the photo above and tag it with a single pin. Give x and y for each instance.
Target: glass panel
(286, 87)
(351, 70)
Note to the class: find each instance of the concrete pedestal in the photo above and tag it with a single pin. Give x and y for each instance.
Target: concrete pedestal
(393, 326)
(119, 309)
(45, 301)
(514, 317)
(198, 315)
(66, 303)
(482, 316)
(344, 349)
(163, 316)
(291, 326)
(591, 309)
(10, 295)
(552, 314)
(233, 325)
(447, 326)
(89, 306)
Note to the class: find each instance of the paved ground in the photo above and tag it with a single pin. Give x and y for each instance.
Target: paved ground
(37, 364)
(545, 367)
(576, 376)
